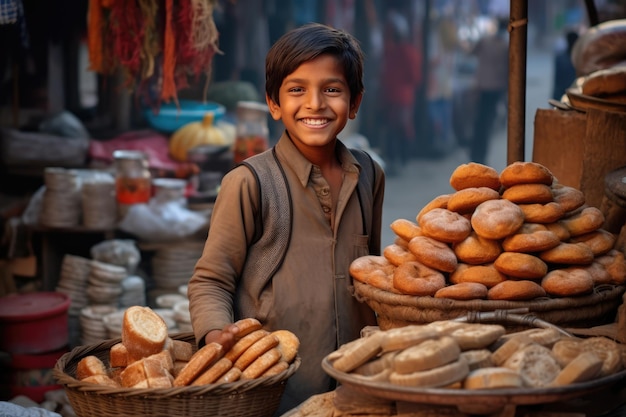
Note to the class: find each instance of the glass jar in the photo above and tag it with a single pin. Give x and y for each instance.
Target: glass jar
(133, 181)
(252, 133)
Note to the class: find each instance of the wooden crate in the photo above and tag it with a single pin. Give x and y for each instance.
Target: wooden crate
(580, 148)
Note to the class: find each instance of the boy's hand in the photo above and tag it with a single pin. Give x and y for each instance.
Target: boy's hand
(225, 337)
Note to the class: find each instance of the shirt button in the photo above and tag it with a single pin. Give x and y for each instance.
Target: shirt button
(324, 191)
(326, 209)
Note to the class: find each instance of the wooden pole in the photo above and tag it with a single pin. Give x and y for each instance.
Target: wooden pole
(518, 24)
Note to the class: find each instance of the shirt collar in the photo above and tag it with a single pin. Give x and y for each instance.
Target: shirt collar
(289, 154)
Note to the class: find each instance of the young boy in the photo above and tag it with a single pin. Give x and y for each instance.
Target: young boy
(313, 85)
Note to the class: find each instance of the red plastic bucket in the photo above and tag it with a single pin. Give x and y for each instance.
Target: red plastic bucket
(34, 322)
(32, 375)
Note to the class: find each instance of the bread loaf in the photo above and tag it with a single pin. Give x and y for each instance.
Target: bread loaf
(144, 332)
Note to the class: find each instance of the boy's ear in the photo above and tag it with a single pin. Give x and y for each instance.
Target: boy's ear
(354, 107)
(273, 107)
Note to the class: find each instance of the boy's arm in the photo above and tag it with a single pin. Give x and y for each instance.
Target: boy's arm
(213, 286)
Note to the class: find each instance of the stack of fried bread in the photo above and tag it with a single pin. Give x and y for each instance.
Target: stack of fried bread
(460, 355)
(147, 357)
(514, 235)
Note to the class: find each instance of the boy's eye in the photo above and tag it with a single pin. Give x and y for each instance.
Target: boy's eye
(333, 90)
(296, 90)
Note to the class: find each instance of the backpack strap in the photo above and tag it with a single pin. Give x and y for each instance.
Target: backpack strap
(273, 225)
(365, 188)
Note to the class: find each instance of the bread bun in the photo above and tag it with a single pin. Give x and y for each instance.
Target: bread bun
(467, 199)
(520, 172)
(474, 174)
(433, 253)
(497, 219)
(476, 250)
(516, 290)
(144, 332)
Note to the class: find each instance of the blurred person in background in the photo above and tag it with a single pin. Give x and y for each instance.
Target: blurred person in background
(442, 63)
(492, 75)
(564, 71)
(401, 74)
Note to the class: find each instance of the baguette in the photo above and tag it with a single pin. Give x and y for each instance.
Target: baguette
(198, 363)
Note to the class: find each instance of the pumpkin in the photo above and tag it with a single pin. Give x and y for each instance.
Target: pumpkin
(195, 134)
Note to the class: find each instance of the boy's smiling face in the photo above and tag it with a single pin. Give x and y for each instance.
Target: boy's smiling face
(315, 102)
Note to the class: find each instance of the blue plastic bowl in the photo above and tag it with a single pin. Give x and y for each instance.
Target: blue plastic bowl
(170, 118)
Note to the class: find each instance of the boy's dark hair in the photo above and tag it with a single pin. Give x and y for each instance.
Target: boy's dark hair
(307, 43)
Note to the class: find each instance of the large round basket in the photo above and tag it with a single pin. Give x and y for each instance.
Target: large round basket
(397, 310)
(254, 398)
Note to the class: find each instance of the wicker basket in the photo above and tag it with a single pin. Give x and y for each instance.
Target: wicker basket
(395, 310)
(254, 398)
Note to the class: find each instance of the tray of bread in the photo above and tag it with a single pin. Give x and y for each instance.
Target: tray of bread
(499, 240)
(474, 363)
(150, 372)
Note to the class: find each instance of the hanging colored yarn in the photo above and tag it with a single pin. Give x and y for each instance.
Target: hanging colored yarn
(150, 46)
(95, 22)
(158, 44)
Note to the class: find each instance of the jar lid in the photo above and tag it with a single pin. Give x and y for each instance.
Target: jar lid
(128, 154)
(252, 105)
(20, 307)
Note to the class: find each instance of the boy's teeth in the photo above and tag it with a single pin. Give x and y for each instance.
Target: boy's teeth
(314, 121)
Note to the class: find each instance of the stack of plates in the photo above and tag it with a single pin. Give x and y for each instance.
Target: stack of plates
(105, 283)
(61, 199)
(99, 205)
(172, 267)
(113, 324)
(73, 281)
(169, 300)
(182, 316)
(133, 292)
(92, 324)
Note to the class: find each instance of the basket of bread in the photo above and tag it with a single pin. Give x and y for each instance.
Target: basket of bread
(148, 372)
(500, 240)
(477, 364)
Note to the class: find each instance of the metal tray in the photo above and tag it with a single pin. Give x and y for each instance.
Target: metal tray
(583, 102)
(496, 398)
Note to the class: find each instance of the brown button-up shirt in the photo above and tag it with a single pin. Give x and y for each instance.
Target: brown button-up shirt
(311, 294)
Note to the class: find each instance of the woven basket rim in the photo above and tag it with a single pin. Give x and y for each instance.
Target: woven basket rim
(189, 391)
(603, 292)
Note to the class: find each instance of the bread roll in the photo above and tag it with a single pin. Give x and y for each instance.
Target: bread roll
(144, 332)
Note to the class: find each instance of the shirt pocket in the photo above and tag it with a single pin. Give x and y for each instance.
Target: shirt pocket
(360, 246)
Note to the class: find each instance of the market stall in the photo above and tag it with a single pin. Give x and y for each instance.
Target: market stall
(503, 297)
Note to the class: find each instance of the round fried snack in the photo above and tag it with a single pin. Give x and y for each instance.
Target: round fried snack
(477, 250)
(521, 172)
(497, 219)
(441, 201)
(415, 278)
(288, 344)
(474, 174)
(516, 290)
(433, 253)
(467, 199)
(445, 225)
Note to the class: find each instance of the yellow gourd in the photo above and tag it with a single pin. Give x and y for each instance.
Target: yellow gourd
(195, 134)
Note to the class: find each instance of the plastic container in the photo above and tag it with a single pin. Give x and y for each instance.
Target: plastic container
(34, 322)
(170, 118)
(252, 131)
(32, 374)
